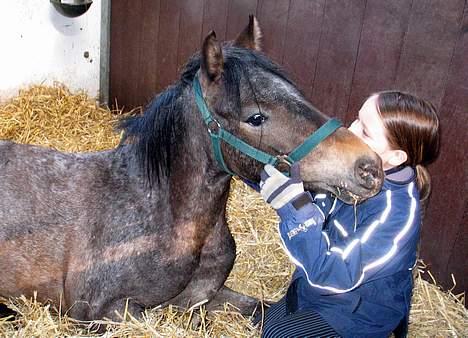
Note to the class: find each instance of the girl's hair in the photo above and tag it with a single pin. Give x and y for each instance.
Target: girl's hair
(412, 125)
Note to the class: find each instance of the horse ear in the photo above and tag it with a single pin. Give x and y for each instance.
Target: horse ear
(212, 63)
(251, 36)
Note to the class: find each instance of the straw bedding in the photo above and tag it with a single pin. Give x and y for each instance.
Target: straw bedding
(52, 116)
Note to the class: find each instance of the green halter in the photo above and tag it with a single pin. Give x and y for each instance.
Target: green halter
(217, 133)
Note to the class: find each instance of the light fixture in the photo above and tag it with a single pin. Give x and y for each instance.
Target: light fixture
(71, 8)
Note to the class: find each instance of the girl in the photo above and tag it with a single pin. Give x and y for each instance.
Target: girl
(354, 262)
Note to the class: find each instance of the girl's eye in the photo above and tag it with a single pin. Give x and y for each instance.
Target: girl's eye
(256, 119)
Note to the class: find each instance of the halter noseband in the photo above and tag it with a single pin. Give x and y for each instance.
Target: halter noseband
(217, 133)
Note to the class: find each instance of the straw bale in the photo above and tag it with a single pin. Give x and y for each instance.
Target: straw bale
(52, 116)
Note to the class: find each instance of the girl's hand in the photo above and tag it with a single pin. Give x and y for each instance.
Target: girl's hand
(277, 189)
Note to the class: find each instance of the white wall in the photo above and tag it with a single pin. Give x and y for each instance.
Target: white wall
(39, 45)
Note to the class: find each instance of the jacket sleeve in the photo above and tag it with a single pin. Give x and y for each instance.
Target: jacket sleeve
(325, 202)
(255, 186)
(382, 243)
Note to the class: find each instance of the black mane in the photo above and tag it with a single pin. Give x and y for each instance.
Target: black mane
(157, 132)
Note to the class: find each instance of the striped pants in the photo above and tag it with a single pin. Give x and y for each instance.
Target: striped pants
(303, 324)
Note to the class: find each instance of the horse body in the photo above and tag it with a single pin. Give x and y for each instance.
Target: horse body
(145, 223)
(97, 236)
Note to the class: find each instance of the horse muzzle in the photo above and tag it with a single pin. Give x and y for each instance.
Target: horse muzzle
(369, 173)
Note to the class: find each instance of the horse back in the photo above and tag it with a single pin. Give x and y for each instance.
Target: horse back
(36, 180)
(49, 199)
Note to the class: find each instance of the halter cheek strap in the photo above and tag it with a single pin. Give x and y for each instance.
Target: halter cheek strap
(218, 133)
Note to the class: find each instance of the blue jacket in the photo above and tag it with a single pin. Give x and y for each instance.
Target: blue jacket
(354, 266)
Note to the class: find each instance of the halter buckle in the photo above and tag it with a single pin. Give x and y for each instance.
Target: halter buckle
(283, 163)
(213, 127)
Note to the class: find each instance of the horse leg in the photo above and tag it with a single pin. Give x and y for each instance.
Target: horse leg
(247, 305)
(216, 261)
(115, 310)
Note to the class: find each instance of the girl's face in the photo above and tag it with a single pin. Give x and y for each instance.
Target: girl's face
(369, 128)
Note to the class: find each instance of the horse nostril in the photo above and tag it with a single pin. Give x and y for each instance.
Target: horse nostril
(368, 173)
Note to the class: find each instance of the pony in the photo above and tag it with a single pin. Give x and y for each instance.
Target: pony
(144, 224)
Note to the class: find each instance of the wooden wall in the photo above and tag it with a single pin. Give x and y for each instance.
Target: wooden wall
(338, 52)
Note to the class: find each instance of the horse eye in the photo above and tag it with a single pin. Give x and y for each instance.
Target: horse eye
(256, 119)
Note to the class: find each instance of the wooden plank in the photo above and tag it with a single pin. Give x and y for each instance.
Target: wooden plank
(339, 42)
(302, 42)
(133, 65)
(190, 30)
(124, 65)
(168, 39)
(445, 228)
(384, 27)
(238, 16)
(427, 51)
(147, 86)
(116, 75)
(457, 259)
(273, 16)
(215, 18)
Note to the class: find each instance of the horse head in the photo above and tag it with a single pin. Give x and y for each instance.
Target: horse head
(249, 96)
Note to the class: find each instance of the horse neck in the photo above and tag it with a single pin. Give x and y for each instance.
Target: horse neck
(199, 189)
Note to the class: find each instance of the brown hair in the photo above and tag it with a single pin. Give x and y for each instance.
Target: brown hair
(412, 125)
